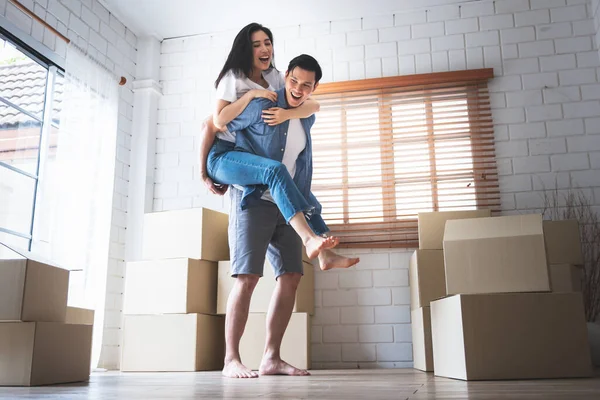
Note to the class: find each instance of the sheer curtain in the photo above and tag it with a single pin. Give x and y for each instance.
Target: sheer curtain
(82, 191)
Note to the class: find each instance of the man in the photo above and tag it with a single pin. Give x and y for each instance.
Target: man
(258, 227)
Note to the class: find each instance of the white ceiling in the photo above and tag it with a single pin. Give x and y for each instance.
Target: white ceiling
(165, 19)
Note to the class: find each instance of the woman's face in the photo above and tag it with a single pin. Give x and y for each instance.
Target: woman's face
(262, 50)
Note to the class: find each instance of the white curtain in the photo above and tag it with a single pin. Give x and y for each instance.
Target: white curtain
(82, 196)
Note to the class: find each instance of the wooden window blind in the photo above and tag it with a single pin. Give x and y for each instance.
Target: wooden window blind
(385, 149)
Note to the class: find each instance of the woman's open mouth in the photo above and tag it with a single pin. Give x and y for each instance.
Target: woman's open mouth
(264, 59)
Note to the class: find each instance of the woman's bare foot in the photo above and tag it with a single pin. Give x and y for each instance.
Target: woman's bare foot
(235, 369)
(329, 260)
(272, 366)
(316, 244)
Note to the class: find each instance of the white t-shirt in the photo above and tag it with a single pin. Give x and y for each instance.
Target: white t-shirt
(294, 145)
(231, 88)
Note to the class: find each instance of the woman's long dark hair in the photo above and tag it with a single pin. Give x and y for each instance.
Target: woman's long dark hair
(241, 56)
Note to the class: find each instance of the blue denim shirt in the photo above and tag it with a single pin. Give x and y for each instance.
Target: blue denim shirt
(255, 136)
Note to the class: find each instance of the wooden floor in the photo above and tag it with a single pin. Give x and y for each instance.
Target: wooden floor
(347, 384)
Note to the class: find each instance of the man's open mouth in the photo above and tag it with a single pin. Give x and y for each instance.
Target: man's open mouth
(295, 97)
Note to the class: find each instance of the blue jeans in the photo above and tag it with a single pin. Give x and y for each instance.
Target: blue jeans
(228, 167)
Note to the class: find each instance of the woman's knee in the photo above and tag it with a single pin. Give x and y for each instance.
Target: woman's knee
(277, 170)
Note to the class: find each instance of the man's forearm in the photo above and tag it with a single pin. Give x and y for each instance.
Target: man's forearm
(208, 132)
(308, 108)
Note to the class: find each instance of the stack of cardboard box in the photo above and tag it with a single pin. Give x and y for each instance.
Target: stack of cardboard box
(42, 341)
(176, 298)
(295, 347)
(500, 319)
(428, 279)
(170, 298)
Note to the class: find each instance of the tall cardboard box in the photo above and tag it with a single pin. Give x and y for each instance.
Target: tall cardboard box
(563, 244)
(171, 286)
(421, 337)
(427, 277)
(510, 336)
(197, 233)
(305, 294)
(432, 224)
(31, 290)
(565, 278)
(44, 353)
(495, 255)
(295, 348)
(173, 342)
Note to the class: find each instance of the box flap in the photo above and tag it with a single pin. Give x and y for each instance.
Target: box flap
(448, 338)
(493, 227)
(8, 252)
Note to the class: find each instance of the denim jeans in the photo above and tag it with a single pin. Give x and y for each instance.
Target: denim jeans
(228, 167)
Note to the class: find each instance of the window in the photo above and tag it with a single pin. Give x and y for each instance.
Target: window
(386, 149)
(30, 92)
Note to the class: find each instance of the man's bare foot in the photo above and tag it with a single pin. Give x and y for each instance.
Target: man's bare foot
(317, 244)
(235, 369)
(329, 260)
(272, 366)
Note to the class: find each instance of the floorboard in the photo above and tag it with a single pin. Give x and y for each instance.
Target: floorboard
(344, 384)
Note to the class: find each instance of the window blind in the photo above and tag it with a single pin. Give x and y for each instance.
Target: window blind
(385, 149)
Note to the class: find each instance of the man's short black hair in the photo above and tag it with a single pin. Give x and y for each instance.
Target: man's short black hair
(307, 63)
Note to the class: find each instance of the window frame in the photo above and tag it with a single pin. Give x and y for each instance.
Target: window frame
(46, 124)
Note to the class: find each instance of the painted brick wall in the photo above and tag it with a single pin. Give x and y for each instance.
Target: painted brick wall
(595, 4)
(93, 28)
(546, 105)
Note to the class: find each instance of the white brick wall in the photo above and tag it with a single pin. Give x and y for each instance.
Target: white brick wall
(546, 107)
(113, 46)
(595, 4)
(363, 315)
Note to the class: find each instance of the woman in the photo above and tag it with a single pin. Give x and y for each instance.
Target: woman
(249, 73)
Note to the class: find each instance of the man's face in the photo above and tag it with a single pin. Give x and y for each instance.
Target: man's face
(299, 84)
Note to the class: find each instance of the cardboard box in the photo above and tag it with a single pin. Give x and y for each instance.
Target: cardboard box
(173, 342)
(421, 338)
(510, 336)
(295, 348)
(495, 255)
(563, 244)
(31, 290)
(565, 278)
(80, 316)
(427, 277)
(44, 353)
(172, 286)
(305, 295)
(197, 233)
(432, 224)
